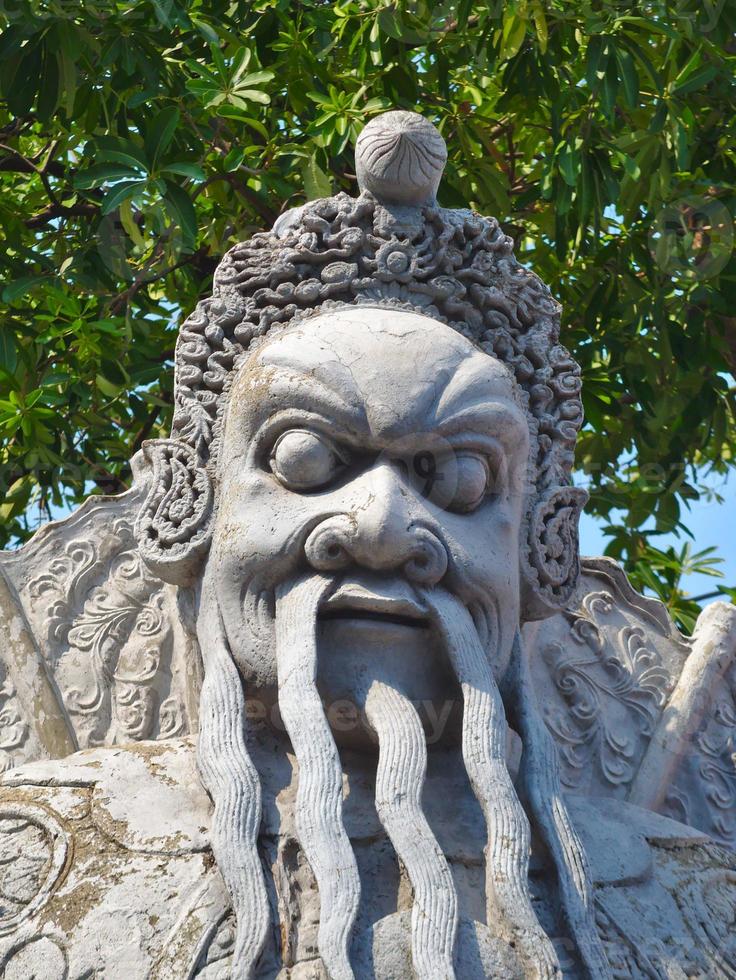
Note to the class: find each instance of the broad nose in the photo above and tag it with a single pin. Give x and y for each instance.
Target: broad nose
(381, 534)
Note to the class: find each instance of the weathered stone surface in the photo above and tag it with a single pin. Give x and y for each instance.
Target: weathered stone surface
(68, 878)
(348, 703)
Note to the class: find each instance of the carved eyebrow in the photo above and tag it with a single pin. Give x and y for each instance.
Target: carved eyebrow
(318, 397)
(504, 422)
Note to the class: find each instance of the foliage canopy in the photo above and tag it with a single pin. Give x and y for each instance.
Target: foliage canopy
(139, 141)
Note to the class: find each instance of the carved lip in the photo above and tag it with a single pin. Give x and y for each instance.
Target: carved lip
(394, 603)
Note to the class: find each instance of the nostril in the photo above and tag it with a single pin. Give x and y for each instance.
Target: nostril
(328, 546)
(418, 569)
(428, 563)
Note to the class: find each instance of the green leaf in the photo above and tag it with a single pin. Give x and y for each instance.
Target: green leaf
(569, 164)
(206, 30)
(513, 34)
(21, 287)
(49, 91)
(234, 159)
(697, 80)
(230, 112)
(540, 23)
(389, 23)
(609, 88)
(630, 166)
(119, 193)
(319, 98)
(101, 173)
(255, 78)
(192, 170)
(142, 98)
(120, 151)
(8, 351)
(21, 88)
(161, 132)
(203, 71)
(596, 54)
(107, 387)
(68, 81)
(249, 95)
(629, 77)
(374, 43)
(316, 182)
(218, 60)
(181, 209)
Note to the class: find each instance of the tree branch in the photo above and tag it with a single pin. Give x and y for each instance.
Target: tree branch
(17, 163)
(120, 302)
(707, 595)
(145, 430)
(80, 210)
(266, 213)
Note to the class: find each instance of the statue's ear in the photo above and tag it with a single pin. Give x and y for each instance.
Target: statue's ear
(173, 525)
(551, 559)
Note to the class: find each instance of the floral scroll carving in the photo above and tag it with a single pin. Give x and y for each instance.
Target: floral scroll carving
(13, 726)
(606, 671)
(613, 685)
(704, 794)
(717, 751)
(109, 640)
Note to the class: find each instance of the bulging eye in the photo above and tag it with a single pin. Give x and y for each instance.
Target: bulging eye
(303, 460)
(453, 480)
(472, 482)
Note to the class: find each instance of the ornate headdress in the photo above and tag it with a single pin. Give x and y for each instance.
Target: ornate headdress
(391, 246)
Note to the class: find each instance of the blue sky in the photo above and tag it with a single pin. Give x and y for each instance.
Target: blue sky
(712, 524)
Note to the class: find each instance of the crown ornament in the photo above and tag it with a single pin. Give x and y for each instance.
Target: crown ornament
(399, 158)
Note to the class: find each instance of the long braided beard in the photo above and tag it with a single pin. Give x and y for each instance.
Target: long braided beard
(509, 908)
(402, 768)
(233, 783)
(319, 797)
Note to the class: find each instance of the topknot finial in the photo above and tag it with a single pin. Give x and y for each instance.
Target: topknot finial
(400, 157)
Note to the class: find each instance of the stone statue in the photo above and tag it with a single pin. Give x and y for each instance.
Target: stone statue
(328, 691)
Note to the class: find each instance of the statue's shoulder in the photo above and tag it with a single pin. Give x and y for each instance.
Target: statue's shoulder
(639, 711)
(94, 648)
(106, 866)
(665, 893)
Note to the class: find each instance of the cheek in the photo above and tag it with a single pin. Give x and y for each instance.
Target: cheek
(257, 543)
(485, 549)
(259, 528)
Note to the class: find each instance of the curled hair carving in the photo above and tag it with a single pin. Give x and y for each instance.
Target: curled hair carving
(453, 265)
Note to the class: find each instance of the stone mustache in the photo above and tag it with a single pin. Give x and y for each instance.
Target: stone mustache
(366, 502)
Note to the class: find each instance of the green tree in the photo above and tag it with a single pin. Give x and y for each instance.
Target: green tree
(139, 141)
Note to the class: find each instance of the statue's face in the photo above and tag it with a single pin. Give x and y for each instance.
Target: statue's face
(384, 450)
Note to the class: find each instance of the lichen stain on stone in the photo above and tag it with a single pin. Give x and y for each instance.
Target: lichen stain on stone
(76, 904)
(150, 752)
